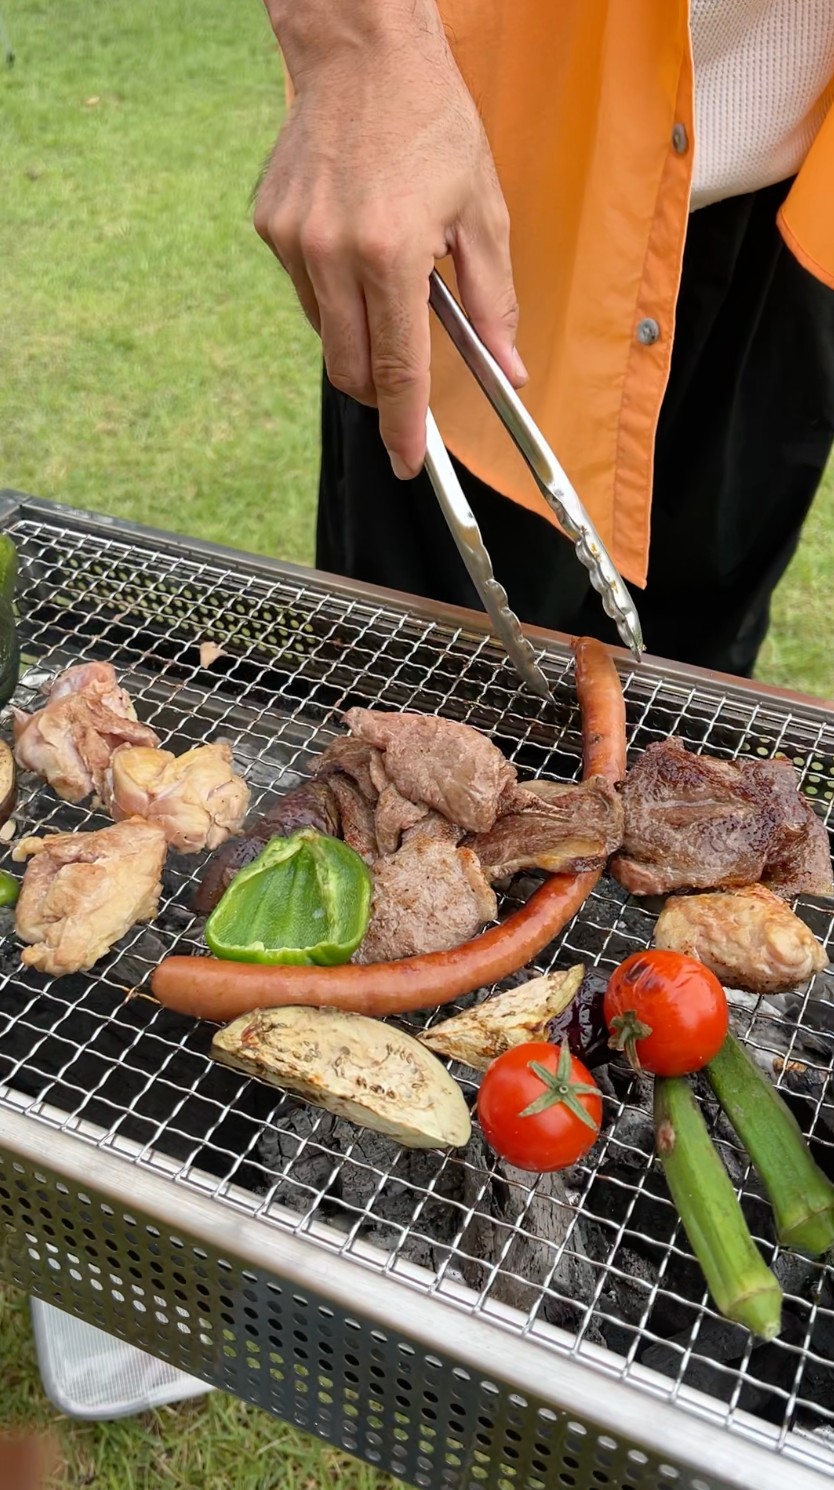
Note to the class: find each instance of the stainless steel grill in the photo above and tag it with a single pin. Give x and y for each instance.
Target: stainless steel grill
(442, 1319)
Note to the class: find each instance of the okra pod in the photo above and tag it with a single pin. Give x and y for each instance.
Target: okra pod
(800, 1194)
(742, 1286)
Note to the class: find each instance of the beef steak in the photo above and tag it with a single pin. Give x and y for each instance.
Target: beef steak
(447, 766)
(696, 822)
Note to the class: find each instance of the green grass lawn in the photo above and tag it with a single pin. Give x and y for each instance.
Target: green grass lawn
(153, 364)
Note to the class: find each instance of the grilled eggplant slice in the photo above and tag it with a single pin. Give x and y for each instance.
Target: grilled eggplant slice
(480, 1034)
(358, 1068)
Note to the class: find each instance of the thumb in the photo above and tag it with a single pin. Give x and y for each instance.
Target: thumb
(485, 281)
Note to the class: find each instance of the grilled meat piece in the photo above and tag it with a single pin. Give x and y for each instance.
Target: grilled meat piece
(311, 805)
(82, 891)
(196, 798)
(375, 814)
(447, 766)
(349, 756)
(799, 860)
(695, 822)
(393, 817)
(71, 740)
(749, 938)
(553, 826)
(356, 815)
(429, 896)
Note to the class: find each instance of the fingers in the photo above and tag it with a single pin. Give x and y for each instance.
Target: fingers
(345, 340)
(332, 273)
(484, 272)
(370, 305)
(293, 263)
(396, 297)
(275, 225)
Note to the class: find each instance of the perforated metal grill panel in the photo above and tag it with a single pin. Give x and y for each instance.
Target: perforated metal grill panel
(373, 1391)
(527, 1288)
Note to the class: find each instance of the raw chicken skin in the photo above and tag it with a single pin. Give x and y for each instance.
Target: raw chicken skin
(82, 891)
(195, 798)
(749, 938)
(71, 740)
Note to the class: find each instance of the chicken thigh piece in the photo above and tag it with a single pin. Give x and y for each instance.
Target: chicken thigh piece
(82, 891)
(749, 938)
(71, 740)
(196, 799)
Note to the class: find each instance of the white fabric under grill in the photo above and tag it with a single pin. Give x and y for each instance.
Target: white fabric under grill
(764, 79)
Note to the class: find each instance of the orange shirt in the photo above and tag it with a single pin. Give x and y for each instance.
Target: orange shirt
(588, 105)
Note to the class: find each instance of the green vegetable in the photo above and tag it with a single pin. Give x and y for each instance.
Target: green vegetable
(742, 1286)
(801, 1195)
(9, 645)
(305, 899)
(9, 888)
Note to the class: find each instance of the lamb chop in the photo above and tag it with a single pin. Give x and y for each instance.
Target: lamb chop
(750, 938)
(695, 822)
(82, 891)
(538, 824)
(71, 740)
(196, 798)
(551, 825)
(429, 894)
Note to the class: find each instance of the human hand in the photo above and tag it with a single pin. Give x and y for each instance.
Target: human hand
(381, 169)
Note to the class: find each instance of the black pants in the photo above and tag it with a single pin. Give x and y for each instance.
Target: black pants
(745, 432)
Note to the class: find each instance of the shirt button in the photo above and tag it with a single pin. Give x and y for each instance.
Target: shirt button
(648, 331)
(680, 139)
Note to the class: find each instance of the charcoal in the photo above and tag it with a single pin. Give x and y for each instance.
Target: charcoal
(342, 1162)
(627, 1286)
(630, 917)
(718, 1343)
(774, 1031)
(735, 1160)
(798, 1275)
(528, 1234)
(810, 1428)
(816, 1012)
(133, 958)
(303, 1166)
(175, 918)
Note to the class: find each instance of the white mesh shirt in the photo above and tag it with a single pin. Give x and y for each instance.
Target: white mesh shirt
(764, 79)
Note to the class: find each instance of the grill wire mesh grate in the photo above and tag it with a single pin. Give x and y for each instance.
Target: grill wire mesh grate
(599, 1256)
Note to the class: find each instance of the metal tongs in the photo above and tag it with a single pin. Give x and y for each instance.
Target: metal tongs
(552, 483)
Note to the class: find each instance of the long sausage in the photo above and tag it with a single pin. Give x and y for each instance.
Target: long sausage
(210, 988)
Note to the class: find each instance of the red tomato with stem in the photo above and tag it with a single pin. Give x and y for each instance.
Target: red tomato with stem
(667, 1012)
(539, 1107)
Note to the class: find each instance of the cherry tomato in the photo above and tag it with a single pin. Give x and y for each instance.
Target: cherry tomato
(666, 1011)
(539, 1107)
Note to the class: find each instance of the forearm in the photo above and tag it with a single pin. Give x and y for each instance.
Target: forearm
(312, 32)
